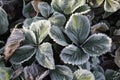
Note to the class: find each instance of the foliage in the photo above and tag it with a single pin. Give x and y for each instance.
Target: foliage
(60, 40)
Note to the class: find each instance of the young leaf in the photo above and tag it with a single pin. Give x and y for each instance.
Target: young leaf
(111, 5)
(57, 19)
(98, 75)
(61, 72)
(45, 9)
(3, 21)
(4, 75)
(13, 42)
(97, 44)
(67, 6)
(57, 35)
(83, 75)
(41, 29)
(73, 55)
(117, 57)
(44, 56)
(22, 54)
(78, 28)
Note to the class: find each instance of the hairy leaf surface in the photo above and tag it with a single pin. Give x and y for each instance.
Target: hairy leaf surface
(73, 55)
(83, 75)
(67, 6)
(41, 29)
(57, 35)
(61, 72)
(111, 5)
(57, 19)
(44, 56)
(97, 44)
(22, 54)
(45, 9)
(77, 28)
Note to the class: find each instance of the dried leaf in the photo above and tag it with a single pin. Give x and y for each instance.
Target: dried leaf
(100, 27)
(35, 5)
(13, 43)
(117, 32)
(34, 72)
(17, 73)
(117, 57)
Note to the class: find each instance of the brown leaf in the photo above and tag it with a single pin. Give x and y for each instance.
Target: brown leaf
(17, 73)
(116, 32)
(100, 27)
(32, 72)
(117, 57)
(13, 42)
(35, 5)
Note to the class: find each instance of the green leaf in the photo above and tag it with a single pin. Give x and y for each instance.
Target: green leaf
(111, 5)
(2, 61)
(98, 75)
(22, 54)
(61, 72)
(73, 55)
(45, 9)
(95, 60)
(97, 44)
(4, 75)
(78, 28)
(57, 35)
(67, 6)
(109, 74)
(86, 65)
(30, 37)
(28, 21)
(3, 21)
(57, 19)
(83, 75)
(44, 56)
(28, 10)
(83, 9)
(97, 68)
(96, 3)
(41, 29)
(107, 14)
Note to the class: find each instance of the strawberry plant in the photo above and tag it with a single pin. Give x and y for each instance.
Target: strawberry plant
(60, 40)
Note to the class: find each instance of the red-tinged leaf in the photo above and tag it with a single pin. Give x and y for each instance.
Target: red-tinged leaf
(34, 72)
(35, 5)
(13, 43)
(17, 73)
